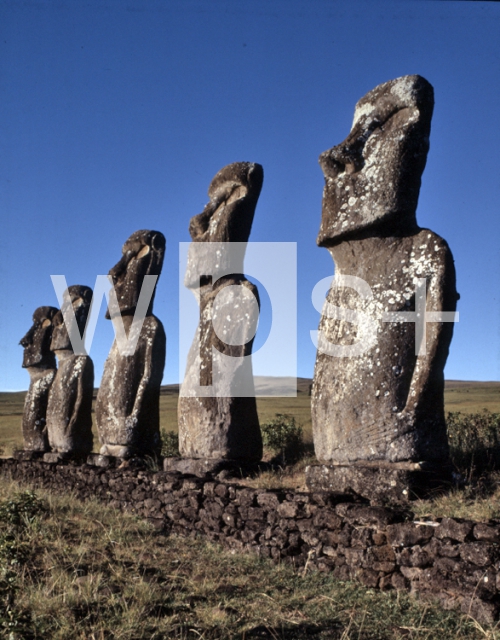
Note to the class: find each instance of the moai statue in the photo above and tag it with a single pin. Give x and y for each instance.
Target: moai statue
(40, 362)
(69, 412)
(225, 425)
(128, 401)
(373, 400)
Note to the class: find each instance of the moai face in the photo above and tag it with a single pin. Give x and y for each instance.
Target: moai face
(372, 179)
(36, 342)
(80, 298)
(228, 217)
(142, 256)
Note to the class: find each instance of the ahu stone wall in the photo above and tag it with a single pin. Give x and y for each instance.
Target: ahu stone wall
(452, 560)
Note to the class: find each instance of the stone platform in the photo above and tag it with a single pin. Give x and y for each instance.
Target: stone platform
(20, 454)
(203, 466)
(379, 482)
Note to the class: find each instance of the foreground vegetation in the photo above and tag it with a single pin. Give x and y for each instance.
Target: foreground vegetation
(84, 571)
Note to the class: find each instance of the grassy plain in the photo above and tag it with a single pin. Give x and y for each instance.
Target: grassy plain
(468, 397)
(88, 572)
(72, 570)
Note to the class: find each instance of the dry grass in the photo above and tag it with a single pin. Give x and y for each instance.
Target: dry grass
(83, 571)
(467, 397)
(462, 503)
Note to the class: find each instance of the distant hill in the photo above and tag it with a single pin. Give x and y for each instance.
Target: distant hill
(264, 386)
(267, 383)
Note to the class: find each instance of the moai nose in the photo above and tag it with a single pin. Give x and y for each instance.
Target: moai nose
(27, 339)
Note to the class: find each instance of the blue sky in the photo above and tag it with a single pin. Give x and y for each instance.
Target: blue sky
(115, 116)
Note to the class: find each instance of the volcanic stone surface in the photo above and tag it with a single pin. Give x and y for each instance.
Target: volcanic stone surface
(224, 426)
(40, 362)
(128, 402)
(69, 412)
(386, 403)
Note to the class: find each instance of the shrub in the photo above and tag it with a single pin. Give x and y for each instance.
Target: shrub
(169, 444)
(22, 508)
(474, 440)
(283, 436)
(16, 514)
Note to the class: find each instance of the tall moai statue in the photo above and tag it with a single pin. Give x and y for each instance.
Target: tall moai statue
(40, 362)
(128, 401)
(69, 412)
(373, 399)
(222, 425)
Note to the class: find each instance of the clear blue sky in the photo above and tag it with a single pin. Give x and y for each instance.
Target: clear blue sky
(114, 117)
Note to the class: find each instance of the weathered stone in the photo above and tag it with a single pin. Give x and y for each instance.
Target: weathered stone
(367, 577)
(268, 500)
(363, 514)
(224, 424)
(55, 457)
(288, 509)
(201, 466)
(408, 534)
(399, 581)
(478, 553)
(483, 612)
(97, 460)
(382, 402)
(377, 483)
(454, 529)
(379, 538)
(40, 362)
(27, 455)
(128, 402)
(69, 411)
(489, 532)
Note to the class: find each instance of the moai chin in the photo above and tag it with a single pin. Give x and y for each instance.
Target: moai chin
(128, 401)
(224, 426)
(40, 362)
(385, 405)
(69, 412)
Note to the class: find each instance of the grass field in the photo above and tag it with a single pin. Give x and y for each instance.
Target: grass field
(469, 397)
(82, 571)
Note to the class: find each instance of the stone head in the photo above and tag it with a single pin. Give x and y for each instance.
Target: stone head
(228, 217)
(372, 179)
(142, 256)
(36, 342)
(233, 194)
(79, 297)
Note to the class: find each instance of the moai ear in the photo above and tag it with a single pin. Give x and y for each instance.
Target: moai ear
(143, 252)
(46, 323)
(238, 192)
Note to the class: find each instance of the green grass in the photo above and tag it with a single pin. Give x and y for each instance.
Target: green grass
(84, 571)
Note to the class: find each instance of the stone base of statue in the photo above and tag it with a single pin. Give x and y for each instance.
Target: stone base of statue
(379, 481)
(55, 457)
(206, 466)
(118, 462)
(27, 455)
(99, 460)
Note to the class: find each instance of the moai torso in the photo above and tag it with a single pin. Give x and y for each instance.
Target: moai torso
(40, 363)
(128, 402)
(386, 403)
(127, 406)
(69, 413)
(224, 425)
